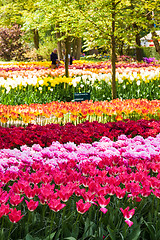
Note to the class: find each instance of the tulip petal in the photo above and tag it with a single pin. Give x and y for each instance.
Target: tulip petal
(104, 210)
(130, 223)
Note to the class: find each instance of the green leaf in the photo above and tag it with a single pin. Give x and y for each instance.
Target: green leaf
(71, 238)
(112, 233)
(121, 236)
(151, 230)
(50, 236)
(75, 230)
(29, 237)
(57, 234)
(135, 233)
(89, 228)
(101, 231)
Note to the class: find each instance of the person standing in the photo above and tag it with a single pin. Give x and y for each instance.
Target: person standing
(71, 60)
(54, 59)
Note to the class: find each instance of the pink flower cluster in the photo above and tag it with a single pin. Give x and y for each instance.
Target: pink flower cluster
(86, 132)
(21, 68)
(107, 65)
(128, 167)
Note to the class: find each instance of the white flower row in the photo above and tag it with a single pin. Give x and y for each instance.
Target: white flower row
(17, 81)
(131, 76)
(88, 79)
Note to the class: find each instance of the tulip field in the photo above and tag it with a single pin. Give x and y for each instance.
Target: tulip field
(85, 170)
(22, 83)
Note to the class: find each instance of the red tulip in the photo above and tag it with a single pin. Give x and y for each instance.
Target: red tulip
(127, 215)
(15, 199)
(103, 202)
(32, 205)
(4, 197)
(4, 210)
(82, 207)
(15, 216)
(56, 205)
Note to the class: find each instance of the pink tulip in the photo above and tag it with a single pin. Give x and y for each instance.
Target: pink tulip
(82, 207)
(32, 205)
(15, 216)
(4, 210)
(127, 215)
(15, 200)
(56, 205)
(104, 210)
(103, 202)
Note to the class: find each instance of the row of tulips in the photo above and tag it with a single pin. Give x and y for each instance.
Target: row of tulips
(78, 112)
(41, 69)
(142, 84)
(90, 79)
(86, 132)
(99, 91)
(35, 90)
(41, 86)
(105, 190)
(74, 72)
(24, 65)
(79, 64)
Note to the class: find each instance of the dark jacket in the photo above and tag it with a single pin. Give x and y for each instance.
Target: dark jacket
(54, 57)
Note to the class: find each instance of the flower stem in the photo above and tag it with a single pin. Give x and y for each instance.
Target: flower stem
(51, 225)
(10, 231)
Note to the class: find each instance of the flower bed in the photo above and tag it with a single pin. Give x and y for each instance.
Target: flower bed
(86, 132)
(76, 112)
(77, 179)
(100, 181)
(24, 83)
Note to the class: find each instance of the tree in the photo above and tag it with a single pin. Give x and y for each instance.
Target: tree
(141, 16)
(111, 21)
(63, 17)
(20, 12)
(10, 14)
(143, 21)
(102, 23)
(105, 25)
(153, 20)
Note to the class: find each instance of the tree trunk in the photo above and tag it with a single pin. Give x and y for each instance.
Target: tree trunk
(67, 51)
(59, 46)
(74, 48)
(155, 41)
(113, 53)
(36, 38)
(139, 56)
(79, 46)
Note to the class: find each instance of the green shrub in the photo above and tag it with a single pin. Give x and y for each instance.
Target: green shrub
(12, 46)
(150, 52)
(31, 55)
(46, 48)
(43, 53)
